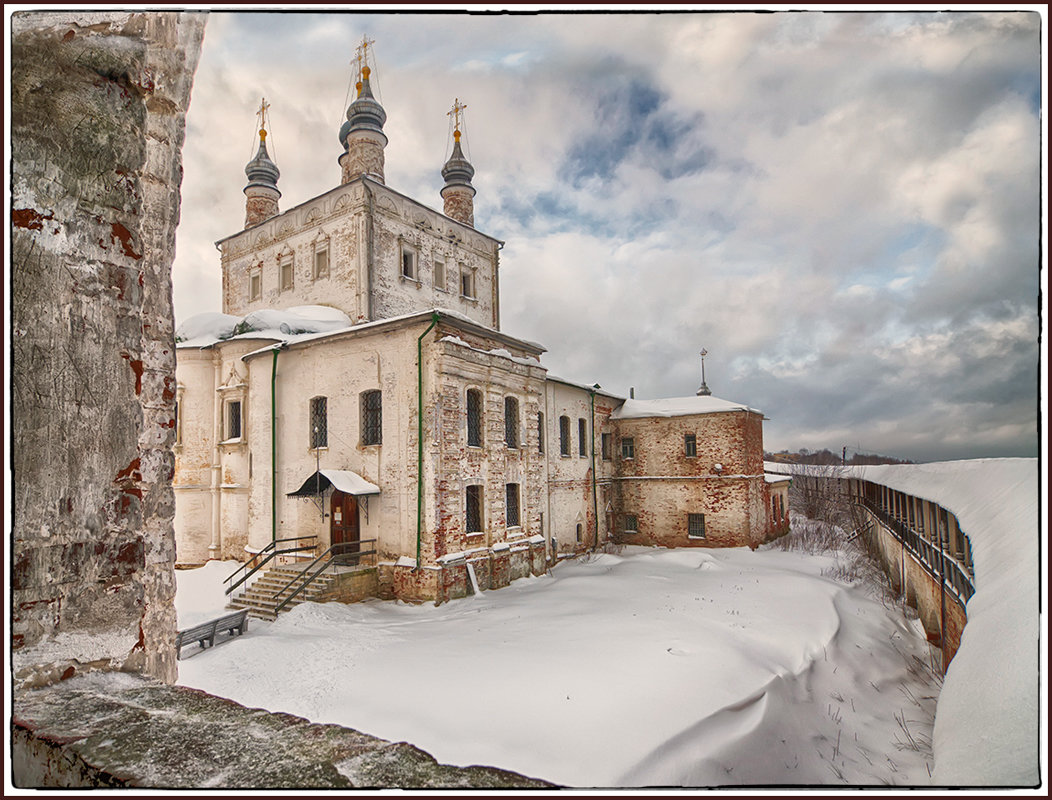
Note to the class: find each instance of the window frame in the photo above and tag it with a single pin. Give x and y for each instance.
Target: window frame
(407, 251)
(695, 520)
(604, 440)
(318, 438)
(474, 414)
(690, 445)
(626, 527)
(286, 261)
(540, 432)
(468, 281)
(582, 437)
(439, 268)
(628, 448)
(512, 504)
(372, 418)
(228, 420)
(564, 436)
(255, 284)
(473, 491)
(511, 422)
(321, 248)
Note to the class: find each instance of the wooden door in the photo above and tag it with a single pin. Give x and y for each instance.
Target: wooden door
(344, 529)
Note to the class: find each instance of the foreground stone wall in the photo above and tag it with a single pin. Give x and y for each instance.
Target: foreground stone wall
(97, 119)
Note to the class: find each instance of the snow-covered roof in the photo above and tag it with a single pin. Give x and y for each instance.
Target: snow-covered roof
(584, 386)
(677, 407)
(771, 478)
(204, 330)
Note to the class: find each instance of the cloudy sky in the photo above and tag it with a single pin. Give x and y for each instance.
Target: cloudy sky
(844, 209)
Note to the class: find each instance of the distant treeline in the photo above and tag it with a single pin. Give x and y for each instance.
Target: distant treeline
(825, 457)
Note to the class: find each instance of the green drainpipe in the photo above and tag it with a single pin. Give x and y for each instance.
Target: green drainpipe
(420, 435)
(274, 446)
(595, 499)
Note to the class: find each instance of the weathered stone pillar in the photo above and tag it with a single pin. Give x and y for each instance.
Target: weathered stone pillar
(98, 103)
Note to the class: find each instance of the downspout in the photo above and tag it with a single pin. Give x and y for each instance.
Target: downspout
(420, 435)
(595, 499)
(274, 444)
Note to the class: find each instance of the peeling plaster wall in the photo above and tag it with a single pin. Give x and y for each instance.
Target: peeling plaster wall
(98, 103)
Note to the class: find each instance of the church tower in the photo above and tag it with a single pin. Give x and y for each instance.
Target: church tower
(458, 193)
(261, 193)
(362, 135)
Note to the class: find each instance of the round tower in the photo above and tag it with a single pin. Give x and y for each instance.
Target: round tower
(362, 135)
(458, 193)
(261, 193)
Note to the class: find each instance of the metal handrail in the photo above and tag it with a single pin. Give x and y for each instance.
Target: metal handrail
(271, 551)
(958, 578)
(329, 557)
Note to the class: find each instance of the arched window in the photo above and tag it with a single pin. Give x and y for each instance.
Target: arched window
(319, 422)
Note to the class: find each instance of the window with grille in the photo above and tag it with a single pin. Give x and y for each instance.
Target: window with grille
(564, 436)
(319, 422)
(540, 432)
(630, 524)
(582, 438)
(511, 422)
(512, 504)
(372, 417)
(233, 419)
(605, 444)
(628, 447)
(287, 274)
(474, 418)
(696, 526)
(690, 445)
(473, 509)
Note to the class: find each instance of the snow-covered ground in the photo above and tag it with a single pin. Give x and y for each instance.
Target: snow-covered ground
(645, 668)
(989, 712)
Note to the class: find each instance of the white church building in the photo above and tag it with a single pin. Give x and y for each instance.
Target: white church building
(357, 396)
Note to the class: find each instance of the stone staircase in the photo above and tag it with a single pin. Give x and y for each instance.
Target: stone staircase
(260, 600)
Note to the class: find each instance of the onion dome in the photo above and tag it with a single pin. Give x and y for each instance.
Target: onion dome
(261, 171)
(365, 113)
(458, 170)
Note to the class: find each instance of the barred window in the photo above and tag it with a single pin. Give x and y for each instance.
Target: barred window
(582, 438)
(372, 417)
(474, 418)
(512, 503)
(696, 526)
(511, 422)
(233, 419)
(630, 524)
(690, 445)
(564, 436)
(628, 447)
(319, 422)
(473, 509)
(540, 432)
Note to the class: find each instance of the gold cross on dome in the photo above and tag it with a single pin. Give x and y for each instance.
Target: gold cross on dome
(362, 54)
(264, 106)
(455, 113)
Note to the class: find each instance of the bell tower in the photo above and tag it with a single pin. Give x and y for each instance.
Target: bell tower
(362, 135)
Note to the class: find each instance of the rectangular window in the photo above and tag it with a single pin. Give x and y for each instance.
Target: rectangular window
(473, 509)
(255, 286)
(233, 420)
(690, 445)
(540, 432)
(319, 422)
(564, 436)
(511, 422)
(474, 418)
(582, 438)
(321, 262)
(512, 498)
(630, 524)
(408, 263)
(605, 443)
(467, 282)
(696, 526)
(287, 274)
(440, 275)
(372, 417)
(628, 448)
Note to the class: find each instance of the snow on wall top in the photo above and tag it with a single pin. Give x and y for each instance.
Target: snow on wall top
(986, 731)
(677, 407)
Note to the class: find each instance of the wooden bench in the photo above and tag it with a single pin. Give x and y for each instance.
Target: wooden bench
(205, 633)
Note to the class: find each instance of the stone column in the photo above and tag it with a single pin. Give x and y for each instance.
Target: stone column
(98, 102)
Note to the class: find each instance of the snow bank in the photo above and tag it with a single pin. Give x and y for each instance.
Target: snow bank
(206, 329)
(986, 729)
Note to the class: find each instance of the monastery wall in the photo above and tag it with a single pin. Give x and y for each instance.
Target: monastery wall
(195, 482)
(98, 103)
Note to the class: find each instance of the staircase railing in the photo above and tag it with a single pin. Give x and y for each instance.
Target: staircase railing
(269, 552)
(342, 553)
